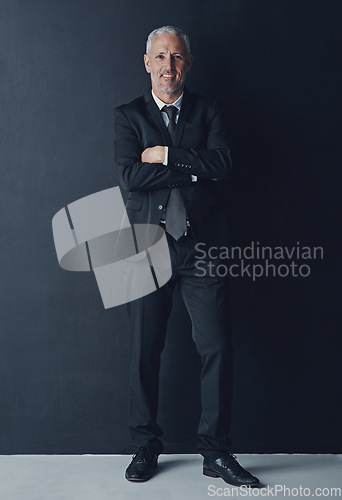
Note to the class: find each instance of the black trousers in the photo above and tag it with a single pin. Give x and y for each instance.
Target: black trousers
(207, 301)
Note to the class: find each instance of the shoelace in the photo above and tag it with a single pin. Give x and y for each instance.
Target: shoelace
(141, 453)
(228, 458)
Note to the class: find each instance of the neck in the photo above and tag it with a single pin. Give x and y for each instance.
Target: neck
(167, 98)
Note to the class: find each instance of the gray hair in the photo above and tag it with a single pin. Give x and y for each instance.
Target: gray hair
(171, 30)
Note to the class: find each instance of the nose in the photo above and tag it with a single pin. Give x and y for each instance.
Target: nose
(169, 63)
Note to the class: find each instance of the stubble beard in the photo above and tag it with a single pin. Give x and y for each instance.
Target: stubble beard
(170, 90)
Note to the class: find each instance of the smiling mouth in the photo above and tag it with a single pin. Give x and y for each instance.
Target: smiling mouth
(167, 76)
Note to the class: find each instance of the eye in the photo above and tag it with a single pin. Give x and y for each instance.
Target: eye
(159, 56)
(178, 57)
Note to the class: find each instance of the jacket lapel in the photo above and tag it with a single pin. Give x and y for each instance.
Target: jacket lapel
(183, 116)
(156, 115)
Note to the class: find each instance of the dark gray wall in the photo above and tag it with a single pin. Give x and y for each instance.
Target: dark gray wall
(64, 66)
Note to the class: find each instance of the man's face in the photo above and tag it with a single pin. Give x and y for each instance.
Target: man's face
(168, 63)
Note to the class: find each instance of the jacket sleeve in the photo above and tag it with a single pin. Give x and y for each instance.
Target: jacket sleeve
(214, 162)
(133, 173)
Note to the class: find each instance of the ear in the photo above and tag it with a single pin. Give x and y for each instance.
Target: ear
(147, 63)
(189, 63)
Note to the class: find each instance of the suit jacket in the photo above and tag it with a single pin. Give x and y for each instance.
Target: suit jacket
(200, 148)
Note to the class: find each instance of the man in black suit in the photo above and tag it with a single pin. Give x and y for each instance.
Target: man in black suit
(171, 151)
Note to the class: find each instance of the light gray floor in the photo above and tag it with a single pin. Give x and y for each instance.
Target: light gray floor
(101, 477)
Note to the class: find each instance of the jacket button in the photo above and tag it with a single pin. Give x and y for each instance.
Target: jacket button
(160, 207)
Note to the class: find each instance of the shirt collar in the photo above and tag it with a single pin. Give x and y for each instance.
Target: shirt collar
(161, 104)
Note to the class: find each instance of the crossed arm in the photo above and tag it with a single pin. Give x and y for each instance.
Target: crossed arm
(156, 154)
(140, 170)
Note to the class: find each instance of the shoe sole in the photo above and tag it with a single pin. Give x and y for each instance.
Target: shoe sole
(136, 480)
(211, 473)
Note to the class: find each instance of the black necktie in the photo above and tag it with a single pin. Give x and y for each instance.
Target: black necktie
(175, 222)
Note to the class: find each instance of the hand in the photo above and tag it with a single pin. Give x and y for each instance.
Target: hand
(153, 155)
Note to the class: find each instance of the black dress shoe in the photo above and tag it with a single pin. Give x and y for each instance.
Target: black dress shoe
(143, 465)
(230, 470)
